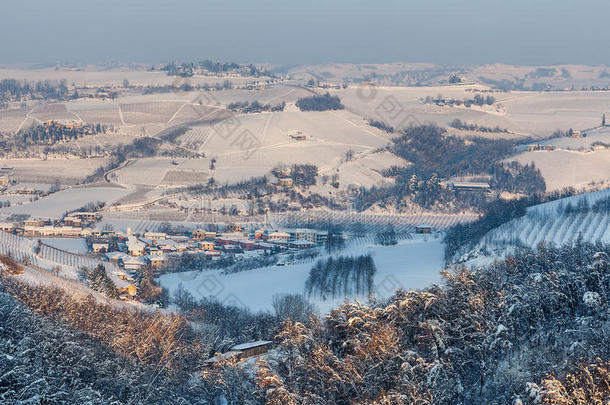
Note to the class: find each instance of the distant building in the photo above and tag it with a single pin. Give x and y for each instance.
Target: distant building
(72, 221)
(130, 290)
(99, 247)
(302, 244)
(35, 222)
(49, 230)
(155, 235)
(206, 245)
(423, 229)
(252, 349)
(5, 181)
(285, 182)
(86, 216)
(468, 186)
(8, 226)
(242, 351)
(135, 247)
(156, 261)
(133, 263)
(116, 257)
(281, 237)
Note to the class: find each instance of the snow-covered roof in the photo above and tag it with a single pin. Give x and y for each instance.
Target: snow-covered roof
(116, 255)
(279, 235)
(133, 261)
(134, 244)
(249, 345)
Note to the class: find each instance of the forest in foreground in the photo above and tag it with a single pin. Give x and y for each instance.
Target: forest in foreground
(531, 329)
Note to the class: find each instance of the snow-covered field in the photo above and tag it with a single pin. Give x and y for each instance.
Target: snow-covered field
(54, 205)
(73, 245)
(330, 134)
(47, 171)
(412, 264)
(549, 223)
(569, 168)
(523, 112)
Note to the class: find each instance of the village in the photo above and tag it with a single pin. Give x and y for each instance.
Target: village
(132, 251)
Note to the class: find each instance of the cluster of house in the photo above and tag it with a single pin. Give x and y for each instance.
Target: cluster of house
(135, 251)
(73, 225)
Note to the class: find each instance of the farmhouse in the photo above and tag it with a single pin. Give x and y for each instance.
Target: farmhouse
(285, 182)
(133, 263)
(7, 226)
(72, 221)
(252, 349)
(49, 230)
(206, 245)
(317, 237)
(468, 186)
(5, 181)
(278, 237)
(135, 247)
(86, 216)
(423, 229)
(155, 235)
(156, 261)
(35, 222)
(116, 257)
(130, 290)
(305, 234)
(302, 244)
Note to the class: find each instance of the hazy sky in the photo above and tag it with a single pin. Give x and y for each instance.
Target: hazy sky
(306, 31)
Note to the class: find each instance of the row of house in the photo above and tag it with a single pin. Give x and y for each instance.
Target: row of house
(133, 252)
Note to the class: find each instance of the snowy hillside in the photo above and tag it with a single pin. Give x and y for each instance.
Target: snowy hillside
(52, 258)
(558, 222)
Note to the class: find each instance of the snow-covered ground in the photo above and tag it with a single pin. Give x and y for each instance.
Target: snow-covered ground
(54, 205)
(411, 264)
(549, 223)
(569, 168)
(73, 245)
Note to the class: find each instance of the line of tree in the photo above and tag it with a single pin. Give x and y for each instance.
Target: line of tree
(48, 135)
(320, 103)
(517, 178)
(255, 107)
(467, 102)
(188, 69)
(20, 90)
(341, 276)
(459, 124)
(382, 126)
